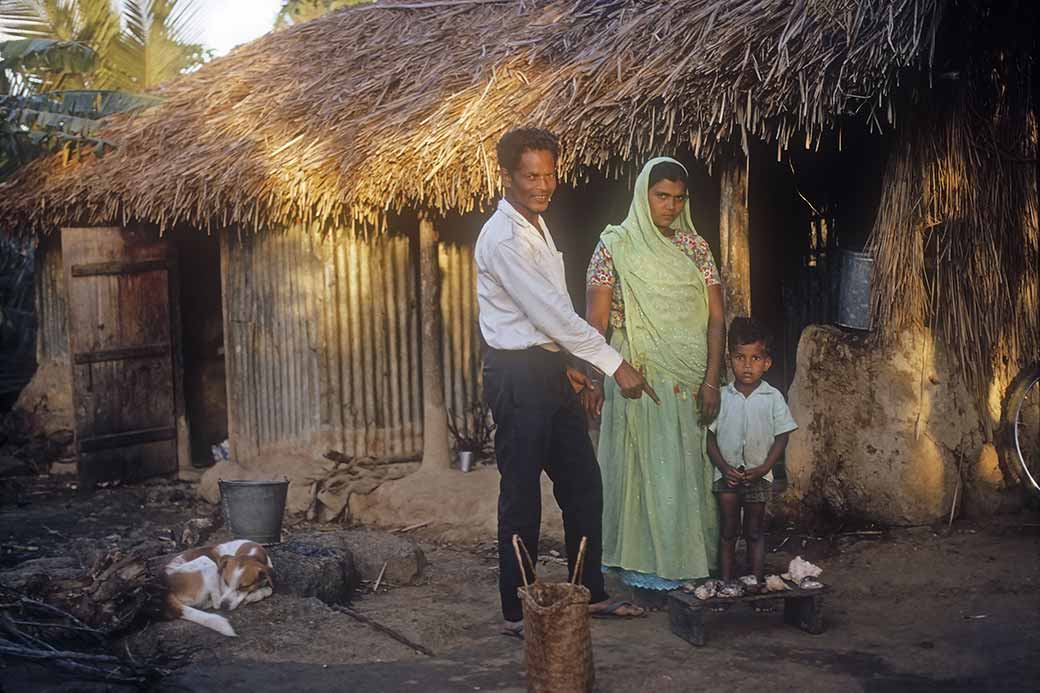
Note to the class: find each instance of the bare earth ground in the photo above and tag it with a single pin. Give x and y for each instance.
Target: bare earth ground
(910, 610)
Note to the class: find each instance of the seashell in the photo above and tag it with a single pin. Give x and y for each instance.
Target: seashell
(799, 569)
(731, 590)
(706, 590)
(810, 583)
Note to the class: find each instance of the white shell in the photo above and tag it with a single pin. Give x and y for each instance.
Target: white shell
(799, 569)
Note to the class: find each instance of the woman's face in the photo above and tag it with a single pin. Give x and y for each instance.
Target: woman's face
(667, 199)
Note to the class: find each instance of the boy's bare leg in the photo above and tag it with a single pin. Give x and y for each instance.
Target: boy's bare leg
(729, 508)
(755, 535)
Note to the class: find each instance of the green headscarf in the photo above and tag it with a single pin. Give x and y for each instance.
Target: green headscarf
(665, 297)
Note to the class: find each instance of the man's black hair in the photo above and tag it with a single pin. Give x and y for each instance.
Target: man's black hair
(748, 331)
(667, 170)
(515, 142)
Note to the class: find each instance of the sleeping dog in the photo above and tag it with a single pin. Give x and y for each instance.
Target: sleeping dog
(219, 577)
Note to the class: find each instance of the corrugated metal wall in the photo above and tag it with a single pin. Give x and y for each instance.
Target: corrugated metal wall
(461, 333)
(322, 341)
(52, 334)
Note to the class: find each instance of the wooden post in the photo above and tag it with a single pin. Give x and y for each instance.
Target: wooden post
(435, 419)
(734, 239)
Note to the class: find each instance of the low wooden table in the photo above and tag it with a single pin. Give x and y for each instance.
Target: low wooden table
(802, 609)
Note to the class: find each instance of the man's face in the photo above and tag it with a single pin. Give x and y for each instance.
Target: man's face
(530, 187)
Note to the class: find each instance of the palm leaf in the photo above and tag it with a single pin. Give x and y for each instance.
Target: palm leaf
(148, 43)
(158, 42)
(23, 19)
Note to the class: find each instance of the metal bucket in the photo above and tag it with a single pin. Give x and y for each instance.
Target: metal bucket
(854, 286)
(253, 509)
(466, 459)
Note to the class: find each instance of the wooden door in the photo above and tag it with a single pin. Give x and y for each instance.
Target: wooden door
(122, 318)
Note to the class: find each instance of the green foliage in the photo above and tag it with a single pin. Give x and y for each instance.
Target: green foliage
(158, 43)
(92, 23)
(42, 56)
(137, 48)
(300, 11)
(72, 62)
(35, 124)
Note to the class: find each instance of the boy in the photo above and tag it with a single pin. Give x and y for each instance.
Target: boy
(744, 443)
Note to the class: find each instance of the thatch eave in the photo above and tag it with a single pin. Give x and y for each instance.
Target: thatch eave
(398, 104)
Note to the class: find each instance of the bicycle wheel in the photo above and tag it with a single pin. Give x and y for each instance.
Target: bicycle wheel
(1022, 425)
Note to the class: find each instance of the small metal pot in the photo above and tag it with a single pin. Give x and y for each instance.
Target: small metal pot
(466, 460)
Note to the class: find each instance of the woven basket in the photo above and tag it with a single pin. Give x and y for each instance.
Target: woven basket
(557, 642)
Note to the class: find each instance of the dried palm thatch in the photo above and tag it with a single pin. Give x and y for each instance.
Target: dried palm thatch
(398, 104)
(956, 240)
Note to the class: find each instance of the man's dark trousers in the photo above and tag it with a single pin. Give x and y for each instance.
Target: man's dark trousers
(541, 426)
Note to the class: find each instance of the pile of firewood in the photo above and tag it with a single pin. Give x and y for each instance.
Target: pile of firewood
(71, 623)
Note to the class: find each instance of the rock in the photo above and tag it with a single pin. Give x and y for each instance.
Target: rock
(315, 565)
(881, 431)
(405, 561)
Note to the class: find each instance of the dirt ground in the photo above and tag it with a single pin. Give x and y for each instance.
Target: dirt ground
(909, 609)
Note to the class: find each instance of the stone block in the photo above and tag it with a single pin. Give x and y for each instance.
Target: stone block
(315, 565)
(405, 561)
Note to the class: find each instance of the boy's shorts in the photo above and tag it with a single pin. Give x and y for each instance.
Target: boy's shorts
(758, 491)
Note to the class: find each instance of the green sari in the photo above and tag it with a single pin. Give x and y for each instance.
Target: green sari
(660, 525)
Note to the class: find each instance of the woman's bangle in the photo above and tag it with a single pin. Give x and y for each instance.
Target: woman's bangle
(713, 387)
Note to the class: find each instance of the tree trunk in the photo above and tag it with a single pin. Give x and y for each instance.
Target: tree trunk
(734, 239)
(436, 455)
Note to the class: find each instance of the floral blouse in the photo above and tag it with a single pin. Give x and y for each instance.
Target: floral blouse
(602, 273)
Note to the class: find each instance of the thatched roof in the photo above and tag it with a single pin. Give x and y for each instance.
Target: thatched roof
(399, 104)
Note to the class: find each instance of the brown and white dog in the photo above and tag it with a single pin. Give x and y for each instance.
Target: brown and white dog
(224, 577)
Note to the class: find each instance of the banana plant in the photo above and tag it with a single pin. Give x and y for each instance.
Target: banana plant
(25, 61)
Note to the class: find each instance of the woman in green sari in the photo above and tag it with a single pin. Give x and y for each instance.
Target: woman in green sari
(653, 286)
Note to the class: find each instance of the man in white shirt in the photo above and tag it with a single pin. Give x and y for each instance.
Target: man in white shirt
(528, 321)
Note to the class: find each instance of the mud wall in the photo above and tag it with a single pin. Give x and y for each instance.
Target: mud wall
(47, 399)
(886, 435)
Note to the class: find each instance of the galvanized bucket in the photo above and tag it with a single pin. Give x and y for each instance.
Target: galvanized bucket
(466, 459)
(253, 509)
(857, 271)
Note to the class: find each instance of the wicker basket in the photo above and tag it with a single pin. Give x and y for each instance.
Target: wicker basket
(557, 642)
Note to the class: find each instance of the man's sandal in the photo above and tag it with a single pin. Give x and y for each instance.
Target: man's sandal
(513, 629)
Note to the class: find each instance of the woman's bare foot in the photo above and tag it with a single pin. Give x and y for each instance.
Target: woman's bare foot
(616, 608)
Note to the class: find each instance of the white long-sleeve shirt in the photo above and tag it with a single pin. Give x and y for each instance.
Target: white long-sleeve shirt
(522, 292)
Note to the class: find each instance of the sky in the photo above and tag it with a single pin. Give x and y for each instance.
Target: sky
(227, 23)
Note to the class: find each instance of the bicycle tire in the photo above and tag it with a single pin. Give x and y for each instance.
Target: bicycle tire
(1025, 386)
